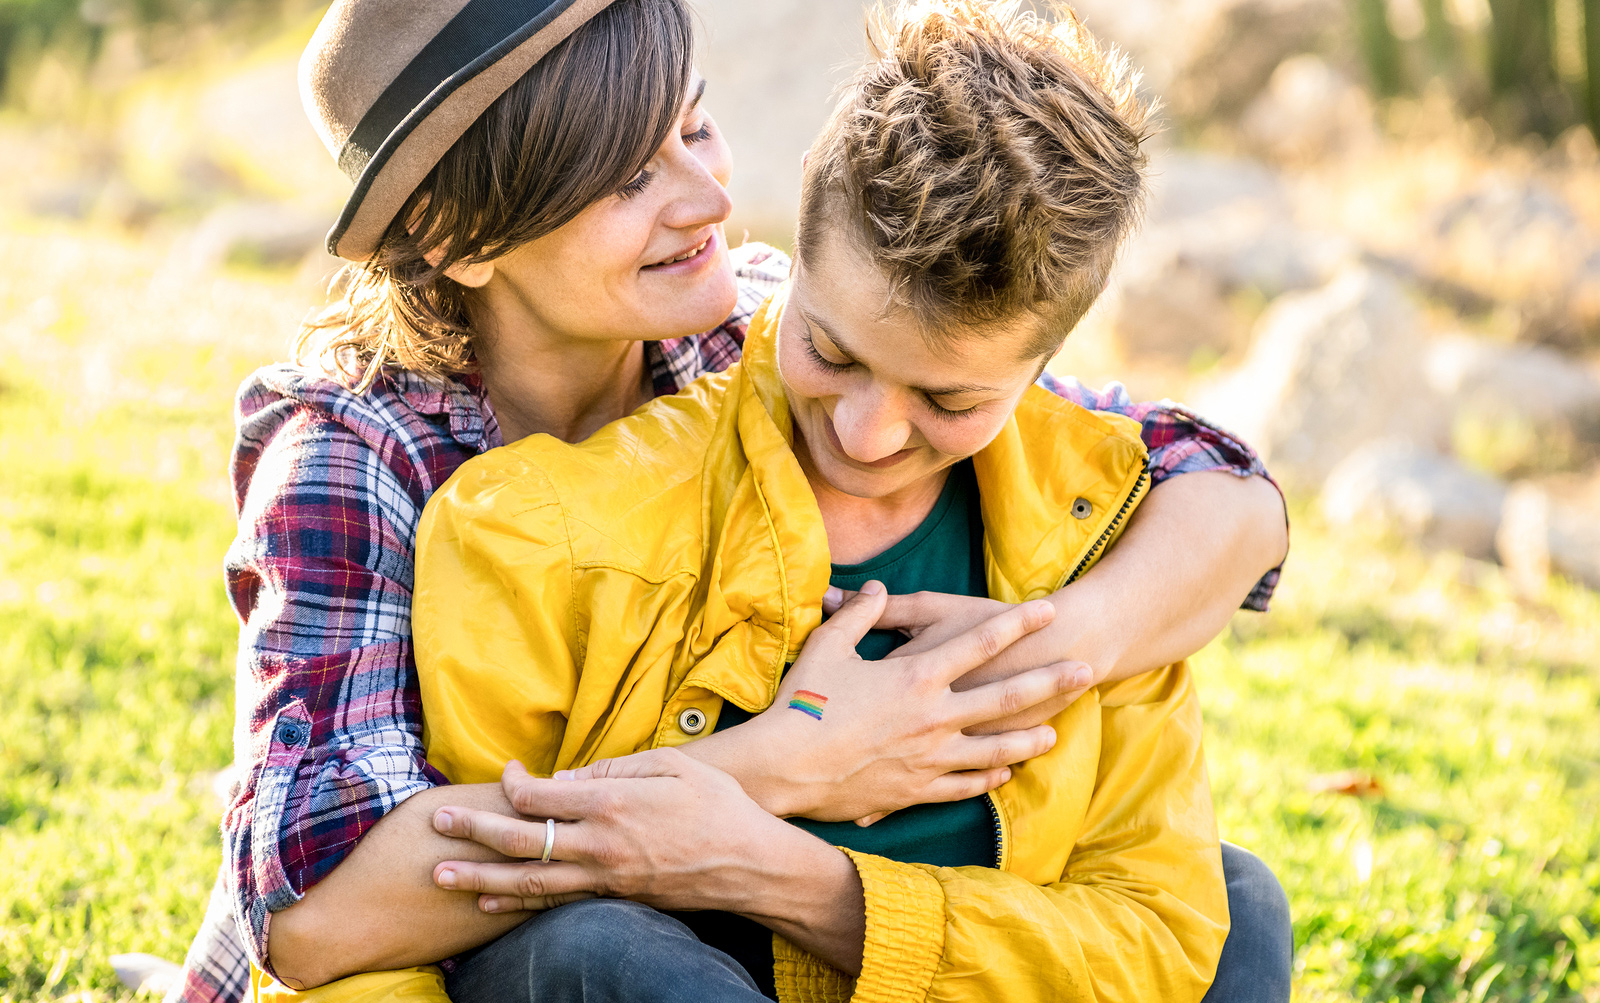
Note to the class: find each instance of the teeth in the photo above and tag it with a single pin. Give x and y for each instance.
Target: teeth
(684, 257)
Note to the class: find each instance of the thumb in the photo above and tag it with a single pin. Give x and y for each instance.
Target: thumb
(858, 614)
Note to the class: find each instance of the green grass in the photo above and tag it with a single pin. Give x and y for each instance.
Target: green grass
(1474, 877)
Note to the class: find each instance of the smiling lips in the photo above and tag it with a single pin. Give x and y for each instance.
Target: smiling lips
(688, 259)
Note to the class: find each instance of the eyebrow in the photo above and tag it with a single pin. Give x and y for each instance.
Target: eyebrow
(946, 391)
(699, 93)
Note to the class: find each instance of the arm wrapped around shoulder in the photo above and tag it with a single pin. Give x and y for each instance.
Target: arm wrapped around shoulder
(1139, 913)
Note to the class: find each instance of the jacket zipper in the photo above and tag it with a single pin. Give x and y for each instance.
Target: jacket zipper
(999, 830)
(1083, 565)
(1111, 528)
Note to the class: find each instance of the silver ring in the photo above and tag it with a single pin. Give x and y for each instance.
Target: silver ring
(549, 839)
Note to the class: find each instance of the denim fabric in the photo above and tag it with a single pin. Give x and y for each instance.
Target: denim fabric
(606, 951)
(600, 951)
(1259, 953)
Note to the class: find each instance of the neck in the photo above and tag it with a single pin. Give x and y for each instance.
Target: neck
(860, 529)
(564, 386)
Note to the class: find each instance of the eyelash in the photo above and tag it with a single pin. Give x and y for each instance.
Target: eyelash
(934, 406)
(642, 182)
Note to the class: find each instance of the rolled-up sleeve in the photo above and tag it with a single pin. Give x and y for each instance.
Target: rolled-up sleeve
(1180, 442)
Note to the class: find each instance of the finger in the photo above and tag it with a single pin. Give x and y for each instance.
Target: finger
(510, 903)
(870, 819)
(991, 752)
(857, 615)
(514, 837)
(524, 881)
(834, 598)
(966, 784)
(571, 797)
(966, 651)
(912, 612)
(1005, 698)
(651, 763)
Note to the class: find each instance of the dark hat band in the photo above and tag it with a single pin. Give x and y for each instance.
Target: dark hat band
(479, 35)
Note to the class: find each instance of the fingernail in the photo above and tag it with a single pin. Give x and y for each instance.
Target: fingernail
(1081, 679)
(1005, 775)
(443, 820)
(562, 775)
(872, 588)
(833, 595)
(447, 879)
(491, 905)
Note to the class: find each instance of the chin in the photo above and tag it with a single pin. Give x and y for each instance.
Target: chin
(865, 483)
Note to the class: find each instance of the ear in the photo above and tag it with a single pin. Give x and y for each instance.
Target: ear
(475, 275)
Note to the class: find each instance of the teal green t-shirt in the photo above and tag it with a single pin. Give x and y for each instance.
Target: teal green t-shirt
(943, 554)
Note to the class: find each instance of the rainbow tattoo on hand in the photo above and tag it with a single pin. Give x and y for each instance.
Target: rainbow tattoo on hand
(807, 702)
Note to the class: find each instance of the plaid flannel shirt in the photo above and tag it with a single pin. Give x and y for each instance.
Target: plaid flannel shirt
(330, 486)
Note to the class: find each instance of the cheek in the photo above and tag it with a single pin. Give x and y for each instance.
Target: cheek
(963, 436)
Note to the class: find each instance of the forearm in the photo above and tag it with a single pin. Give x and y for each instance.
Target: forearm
(380, 908)
(1190, 556)
(743, 753)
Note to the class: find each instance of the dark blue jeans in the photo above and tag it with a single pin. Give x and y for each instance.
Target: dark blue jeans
(609, 951)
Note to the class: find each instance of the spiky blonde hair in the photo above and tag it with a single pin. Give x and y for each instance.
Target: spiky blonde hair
(989, 160)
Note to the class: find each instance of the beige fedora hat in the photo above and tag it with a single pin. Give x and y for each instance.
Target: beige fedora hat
(390, 85)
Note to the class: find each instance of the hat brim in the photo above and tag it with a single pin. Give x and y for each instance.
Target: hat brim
(423, 137)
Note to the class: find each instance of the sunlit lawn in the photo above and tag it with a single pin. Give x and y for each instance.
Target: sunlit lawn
(1474, 875)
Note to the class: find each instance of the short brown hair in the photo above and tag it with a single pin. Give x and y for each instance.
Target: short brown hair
(573, 130)
(990, 160)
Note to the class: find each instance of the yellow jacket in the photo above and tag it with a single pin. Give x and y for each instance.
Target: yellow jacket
(572, 601)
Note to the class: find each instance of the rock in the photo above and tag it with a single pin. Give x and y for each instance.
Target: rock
(267, 234)
(1517, 241)
(1310, 112)
(1329, 371)
(1516, 409)
(146, 973)
(1209, 58)
(1427, 497)
(1538, 535)
(1216, 226)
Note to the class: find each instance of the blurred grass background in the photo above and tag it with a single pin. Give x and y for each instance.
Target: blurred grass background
(1410, 738)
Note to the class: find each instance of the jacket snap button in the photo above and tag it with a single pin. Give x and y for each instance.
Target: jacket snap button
(692, 721)
(1081, 509)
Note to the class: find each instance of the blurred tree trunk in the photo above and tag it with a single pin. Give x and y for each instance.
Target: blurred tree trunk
(1379, 45)
(1521, 53)
(1591, 51)
(1441, 37)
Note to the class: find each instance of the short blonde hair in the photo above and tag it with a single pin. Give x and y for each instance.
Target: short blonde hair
(989, 160)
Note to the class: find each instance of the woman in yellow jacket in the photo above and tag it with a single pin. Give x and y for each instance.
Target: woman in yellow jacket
(582, 609)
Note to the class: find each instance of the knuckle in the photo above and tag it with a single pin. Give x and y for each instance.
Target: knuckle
(990, 644)
(530, 884)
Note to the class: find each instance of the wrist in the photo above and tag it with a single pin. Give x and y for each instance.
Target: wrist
(751, 753)
(1086, 629)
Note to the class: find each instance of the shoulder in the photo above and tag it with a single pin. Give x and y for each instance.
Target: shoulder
(645, 468)
(313, 428)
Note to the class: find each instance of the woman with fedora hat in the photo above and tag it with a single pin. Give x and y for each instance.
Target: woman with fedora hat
(536, 241)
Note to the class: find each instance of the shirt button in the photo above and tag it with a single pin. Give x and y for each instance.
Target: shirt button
(692, 721)
(289, 733)
(1082, 509)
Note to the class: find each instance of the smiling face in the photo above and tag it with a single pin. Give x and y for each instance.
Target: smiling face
(646, 263)
(879, 408)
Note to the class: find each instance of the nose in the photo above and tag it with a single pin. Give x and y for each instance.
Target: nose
(702, 198)
(870, 426)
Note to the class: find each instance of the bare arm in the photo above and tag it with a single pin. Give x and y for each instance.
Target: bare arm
(380, 908)
(1190, 556)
